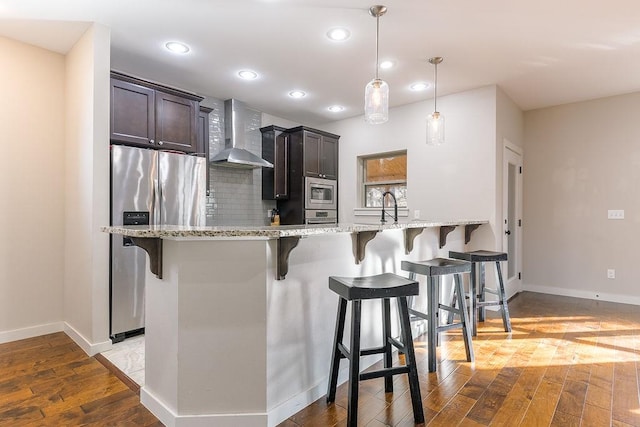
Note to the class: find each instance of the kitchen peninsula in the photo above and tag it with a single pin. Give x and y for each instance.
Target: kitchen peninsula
(228, 342)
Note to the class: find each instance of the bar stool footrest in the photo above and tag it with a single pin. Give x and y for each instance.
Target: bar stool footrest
(448, 326)
(344, 353)
(480, 304)
(386, 372)
(397, 344)
(418, 314)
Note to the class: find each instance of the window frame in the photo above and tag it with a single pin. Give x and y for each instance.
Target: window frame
(362, 184)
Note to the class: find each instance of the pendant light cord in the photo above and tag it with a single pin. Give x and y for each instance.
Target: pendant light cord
(377, 42)
(435, 91)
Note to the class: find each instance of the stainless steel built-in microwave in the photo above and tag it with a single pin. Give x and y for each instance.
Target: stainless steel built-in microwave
(321, 193)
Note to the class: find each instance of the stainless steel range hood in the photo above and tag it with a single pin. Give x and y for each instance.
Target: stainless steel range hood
(235, 133)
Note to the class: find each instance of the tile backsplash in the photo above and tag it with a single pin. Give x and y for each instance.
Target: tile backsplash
(235, 196)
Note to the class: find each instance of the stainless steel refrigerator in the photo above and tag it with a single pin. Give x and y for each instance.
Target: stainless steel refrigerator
(147, 187)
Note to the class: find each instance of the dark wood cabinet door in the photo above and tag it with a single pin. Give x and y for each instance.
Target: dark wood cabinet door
(202, 143)
(275, 149)
(329, 158)
(311, 154)
(132, 114)
(176, 123)
(281, 169)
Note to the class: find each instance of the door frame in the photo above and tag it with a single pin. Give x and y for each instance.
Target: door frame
(511, 152)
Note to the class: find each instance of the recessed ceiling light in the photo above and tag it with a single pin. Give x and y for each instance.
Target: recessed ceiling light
(297, 94)
(387, 64)
(177, 47)
(247, 75)
(338, 34)
(418, 86)
(336, 108)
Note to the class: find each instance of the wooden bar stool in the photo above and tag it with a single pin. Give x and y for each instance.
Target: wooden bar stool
(355, 289)
(478, 289)
(434, 269)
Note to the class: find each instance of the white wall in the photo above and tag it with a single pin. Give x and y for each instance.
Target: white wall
(31, 190)
(453, 181)
(581, 160)
(268, 119)
(86, 281)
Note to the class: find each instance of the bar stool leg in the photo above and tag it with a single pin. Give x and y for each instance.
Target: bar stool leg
(466, 333)
(481, 294)
(506, 321)
(414, 386)
(337, 355)
(386, 326)
(454, 301)
(354, 364)
(473, 311)
(412, 276)
(432, 326)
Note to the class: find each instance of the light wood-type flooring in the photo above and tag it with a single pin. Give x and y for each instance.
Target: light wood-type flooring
(567, 362)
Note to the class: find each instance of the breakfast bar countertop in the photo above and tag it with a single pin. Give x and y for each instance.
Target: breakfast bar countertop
(274, 232)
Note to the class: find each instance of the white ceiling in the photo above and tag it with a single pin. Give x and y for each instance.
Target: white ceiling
(542, 52)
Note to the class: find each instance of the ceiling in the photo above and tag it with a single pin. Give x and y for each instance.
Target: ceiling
(541, 53)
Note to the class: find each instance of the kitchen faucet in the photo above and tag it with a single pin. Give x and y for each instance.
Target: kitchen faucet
(395, 208)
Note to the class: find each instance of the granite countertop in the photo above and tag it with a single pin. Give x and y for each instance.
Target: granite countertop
(174, 231)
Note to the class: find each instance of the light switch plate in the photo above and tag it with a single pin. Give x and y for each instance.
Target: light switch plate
(615, 214)
(611, 273)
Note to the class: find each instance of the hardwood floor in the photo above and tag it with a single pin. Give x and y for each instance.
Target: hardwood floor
(50, 381)
(568, 362)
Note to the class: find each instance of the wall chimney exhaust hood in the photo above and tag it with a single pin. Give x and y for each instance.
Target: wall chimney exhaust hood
(235, 133)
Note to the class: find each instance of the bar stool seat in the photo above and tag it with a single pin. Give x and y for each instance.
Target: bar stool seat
(434, 269)
(479, 290)
(355, 289)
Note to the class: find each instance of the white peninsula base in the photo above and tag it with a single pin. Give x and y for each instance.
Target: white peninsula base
(228, 345)
(206, 334)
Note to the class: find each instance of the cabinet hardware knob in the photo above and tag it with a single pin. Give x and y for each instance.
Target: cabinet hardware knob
(160, 142)
(508, 232)
(152, 141)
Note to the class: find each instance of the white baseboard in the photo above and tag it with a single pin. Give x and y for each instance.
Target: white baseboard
(297, 403)
(580, 293)
(88, 347)
(170, 419)
(30, 332)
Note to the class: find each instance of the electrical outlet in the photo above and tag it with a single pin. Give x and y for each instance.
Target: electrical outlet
(611, 273)
(269, 213)
(416, 214)
(615, 214)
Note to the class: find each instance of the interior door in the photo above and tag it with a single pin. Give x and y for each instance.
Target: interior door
(512, 216)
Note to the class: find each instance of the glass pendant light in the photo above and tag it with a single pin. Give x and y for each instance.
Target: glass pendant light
(435, 120)
(376, 94)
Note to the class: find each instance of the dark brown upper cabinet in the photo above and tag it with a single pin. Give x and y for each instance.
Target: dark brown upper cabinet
(320, 152)
(133, 120)
(147, 114)
(275, 149)
(202, 147)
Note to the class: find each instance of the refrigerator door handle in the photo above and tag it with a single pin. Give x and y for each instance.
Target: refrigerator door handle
(155, 201)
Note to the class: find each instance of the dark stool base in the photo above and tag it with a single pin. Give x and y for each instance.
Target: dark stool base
(354, 352)
(433, 269)
(478, 289)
